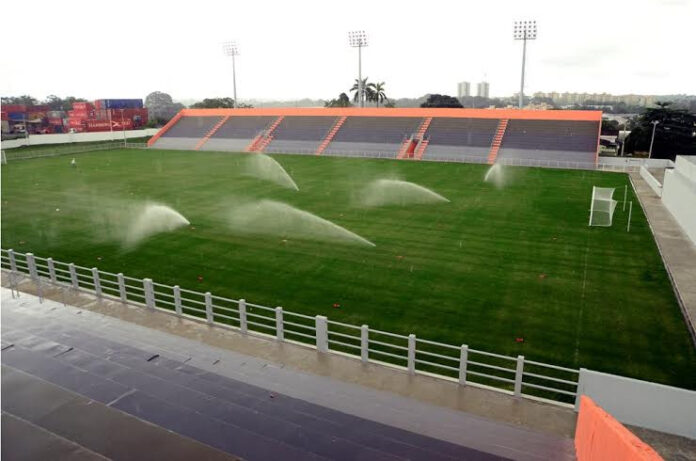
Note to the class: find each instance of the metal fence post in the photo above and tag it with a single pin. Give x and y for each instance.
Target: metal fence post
(51, 270)
(279, 323)
(411, 353)
(177, 300)
(97, 283)
(580, 390)
(322, 333)
(463, 359)
(122, 288)
(209, 307)
(149, 293)
(73, 276)
(13, 261)
(33, 273)
(364, 343)
(518, 375)
(242, 316)
(31, 264)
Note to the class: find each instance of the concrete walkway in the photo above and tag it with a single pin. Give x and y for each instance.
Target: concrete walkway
(513, 428)
(677, 250)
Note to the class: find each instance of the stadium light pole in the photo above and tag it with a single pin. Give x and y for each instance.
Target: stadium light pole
(652, 139)
(358, 39)
(524, 30)
(231, 49)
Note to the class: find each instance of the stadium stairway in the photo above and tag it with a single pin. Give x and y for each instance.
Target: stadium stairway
(410, 145)
(420, 134)
(420, 150)
(264, 139)
(406, 146)
(497, 140)
(211, 132)
(330, 135)
(166, 128)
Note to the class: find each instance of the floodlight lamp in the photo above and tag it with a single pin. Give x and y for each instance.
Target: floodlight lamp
(230, 48)
(357, 38)
(525, 30)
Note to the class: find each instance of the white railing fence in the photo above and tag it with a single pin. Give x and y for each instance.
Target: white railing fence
(513, 375)
(622, 167)
(604, 164)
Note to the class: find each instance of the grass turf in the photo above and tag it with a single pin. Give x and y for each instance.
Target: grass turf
(489, 267)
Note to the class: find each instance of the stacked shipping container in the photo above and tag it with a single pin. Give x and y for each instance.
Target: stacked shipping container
(107, 114)
(102, 115)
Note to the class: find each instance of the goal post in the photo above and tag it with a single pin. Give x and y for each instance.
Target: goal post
(602, 207)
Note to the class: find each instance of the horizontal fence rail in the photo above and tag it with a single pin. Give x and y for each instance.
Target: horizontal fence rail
(513, 375)
(391, 155)
(11, 155)
(625, 167)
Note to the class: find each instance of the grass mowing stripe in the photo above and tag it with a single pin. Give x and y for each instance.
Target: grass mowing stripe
(491, 266)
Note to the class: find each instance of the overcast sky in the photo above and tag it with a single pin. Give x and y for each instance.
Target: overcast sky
(292, 49)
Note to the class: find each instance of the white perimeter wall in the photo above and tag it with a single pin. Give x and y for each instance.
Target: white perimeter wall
(641, 403)
(651, 180)
(39, 139)
(679, 194)
(636, 162)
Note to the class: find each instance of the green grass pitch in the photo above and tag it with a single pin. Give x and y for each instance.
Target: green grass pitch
(491, 266)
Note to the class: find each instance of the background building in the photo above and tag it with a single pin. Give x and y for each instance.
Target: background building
(463, 89)
(567, 99)
(482, 89)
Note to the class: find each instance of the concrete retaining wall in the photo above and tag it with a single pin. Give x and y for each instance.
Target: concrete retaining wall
(651, 180)
(40, 139)
(679, 195)
(636, 162)
(641, 403)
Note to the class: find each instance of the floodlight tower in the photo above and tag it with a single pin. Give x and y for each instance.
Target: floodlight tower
(358, 39)
(230, 49)
(524, 30)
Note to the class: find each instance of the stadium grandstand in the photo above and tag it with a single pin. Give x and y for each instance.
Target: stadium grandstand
(473, 135)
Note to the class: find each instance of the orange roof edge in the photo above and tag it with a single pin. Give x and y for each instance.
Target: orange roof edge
(577, 115)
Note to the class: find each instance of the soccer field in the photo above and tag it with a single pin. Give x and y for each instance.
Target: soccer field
(489, 267)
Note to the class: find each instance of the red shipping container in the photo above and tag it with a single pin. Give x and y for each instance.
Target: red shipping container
(76, 122)
(14, 108)
(82, 106)
(77, 114)
(55, 121)
(104, 125)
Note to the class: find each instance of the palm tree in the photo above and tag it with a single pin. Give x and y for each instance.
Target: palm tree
(366, 90)
(378, 94)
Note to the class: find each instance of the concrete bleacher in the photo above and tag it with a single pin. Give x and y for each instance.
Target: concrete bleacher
(376, 136)
(527, 137)
(300, 134)
(237, 133)
(460, 138)
(550, 140)
(119, 390)
(186, 132)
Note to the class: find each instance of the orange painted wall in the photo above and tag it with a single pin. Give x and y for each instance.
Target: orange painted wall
(589, 115)
(600, 437)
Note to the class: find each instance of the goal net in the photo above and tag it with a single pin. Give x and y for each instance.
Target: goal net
(603, 206)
